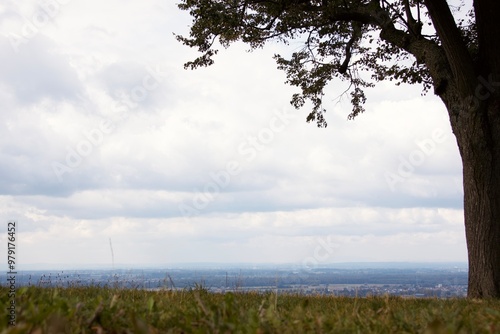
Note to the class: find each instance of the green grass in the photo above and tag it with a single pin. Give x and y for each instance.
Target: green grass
(108, 310)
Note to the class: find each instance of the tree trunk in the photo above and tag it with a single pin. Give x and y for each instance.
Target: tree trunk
(478, 136)
(471, 92)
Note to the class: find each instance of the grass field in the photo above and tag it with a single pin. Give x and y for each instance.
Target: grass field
(109, 310)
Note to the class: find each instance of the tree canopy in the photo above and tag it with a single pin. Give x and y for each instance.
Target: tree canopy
(452, 50)
(358, 41)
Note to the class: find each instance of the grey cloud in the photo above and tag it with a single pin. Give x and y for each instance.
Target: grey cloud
(121, 76)
(138, 86)
(37, 72)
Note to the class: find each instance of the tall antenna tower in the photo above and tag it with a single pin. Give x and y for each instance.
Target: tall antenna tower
(112, 254)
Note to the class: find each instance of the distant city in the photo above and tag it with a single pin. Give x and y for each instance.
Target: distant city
(441, 280)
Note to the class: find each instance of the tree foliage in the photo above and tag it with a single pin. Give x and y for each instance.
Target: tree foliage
(358, 41)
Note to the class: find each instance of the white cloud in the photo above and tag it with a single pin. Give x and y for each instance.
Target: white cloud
(353, 234)
(264, 185)
(37, 72)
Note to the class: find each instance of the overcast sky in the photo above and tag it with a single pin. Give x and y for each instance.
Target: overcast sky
(105, 136)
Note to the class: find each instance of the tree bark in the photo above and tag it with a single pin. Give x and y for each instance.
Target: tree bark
(459, 59)
(478, 136)
(488, 31)
(472, 97)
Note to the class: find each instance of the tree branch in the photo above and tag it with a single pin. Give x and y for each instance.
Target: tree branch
(454, 47)
(413, 26)
(356, 33)
(425, 51)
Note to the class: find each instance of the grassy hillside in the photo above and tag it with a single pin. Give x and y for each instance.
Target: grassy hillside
(107, 310)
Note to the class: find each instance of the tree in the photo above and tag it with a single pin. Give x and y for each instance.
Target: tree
(406, 41)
